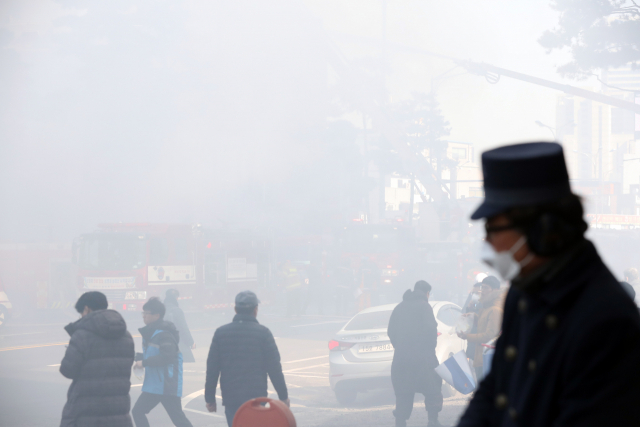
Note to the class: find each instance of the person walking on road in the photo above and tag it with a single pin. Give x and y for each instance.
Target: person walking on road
(162, 364)
(242, 354)
(570, 343)
(413, 334)
(98, 359)
(175, 315)
(488, 322)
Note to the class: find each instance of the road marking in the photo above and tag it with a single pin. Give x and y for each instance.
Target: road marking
(23, 347)
(304, 367)
(304, 360)
(136, 385)
(25, 333)
(190, 397)
(211, 414)
(55, 365)
(321, 323)
(307, 376)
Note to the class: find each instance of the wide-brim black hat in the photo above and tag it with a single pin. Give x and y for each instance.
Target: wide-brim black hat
(522, 175)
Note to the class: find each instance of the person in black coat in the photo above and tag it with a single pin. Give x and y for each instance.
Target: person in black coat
(175, 315)
(570, 344)
(242, 354)
(413, 332)
(98, 360)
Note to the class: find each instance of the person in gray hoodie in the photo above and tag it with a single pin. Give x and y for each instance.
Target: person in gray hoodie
(98, 360)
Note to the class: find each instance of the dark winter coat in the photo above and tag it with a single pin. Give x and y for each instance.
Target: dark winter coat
(569, 351)
(98, 360)
(175, 315)
(413, 332)
(242, 354)
(162, 360)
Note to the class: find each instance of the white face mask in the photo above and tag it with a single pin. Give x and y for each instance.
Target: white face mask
(504, 262)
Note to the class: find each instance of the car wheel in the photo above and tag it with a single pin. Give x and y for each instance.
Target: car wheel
(346, 395)
(3, 315)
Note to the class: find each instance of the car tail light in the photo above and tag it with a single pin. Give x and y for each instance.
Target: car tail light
(339, 346)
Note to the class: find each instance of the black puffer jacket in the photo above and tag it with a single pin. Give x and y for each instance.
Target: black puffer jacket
(242, 353)
(98, 360)
(413, 331)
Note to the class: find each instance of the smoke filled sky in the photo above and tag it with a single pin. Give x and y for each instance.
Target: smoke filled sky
(209, 111)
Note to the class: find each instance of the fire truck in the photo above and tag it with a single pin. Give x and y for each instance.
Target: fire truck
(132, 262)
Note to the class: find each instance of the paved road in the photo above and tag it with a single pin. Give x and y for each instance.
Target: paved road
(32, 391)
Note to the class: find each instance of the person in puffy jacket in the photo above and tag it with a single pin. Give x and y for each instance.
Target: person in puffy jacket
(162, 364)
(98, 360)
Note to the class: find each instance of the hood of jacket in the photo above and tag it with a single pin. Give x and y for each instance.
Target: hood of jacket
(148, 331)
(105, 323)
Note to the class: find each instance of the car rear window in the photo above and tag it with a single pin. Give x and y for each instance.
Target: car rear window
(373, 320)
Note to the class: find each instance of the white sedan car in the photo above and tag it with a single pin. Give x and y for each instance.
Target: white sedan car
(360, 355)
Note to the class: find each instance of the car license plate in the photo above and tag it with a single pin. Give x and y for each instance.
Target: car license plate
(372, 348)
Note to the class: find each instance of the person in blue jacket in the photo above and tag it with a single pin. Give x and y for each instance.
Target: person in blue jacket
(162, 363)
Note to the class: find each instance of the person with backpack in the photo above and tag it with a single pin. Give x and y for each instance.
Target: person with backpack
(162, 363)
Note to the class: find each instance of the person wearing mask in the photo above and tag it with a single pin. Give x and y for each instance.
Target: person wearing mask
(98, 359)
(242, 354)
(175, 315)
(472, 304)
(488, 321)
(162, 364)
(414, 335)
(570, 342)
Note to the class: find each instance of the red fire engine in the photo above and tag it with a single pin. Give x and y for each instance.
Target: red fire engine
(132, 262)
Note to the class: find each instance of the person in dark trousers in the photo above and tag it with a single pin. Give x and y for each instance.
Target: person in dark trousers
(175, 315)
(242, 354)
(162, 364)
(570, 344)
(414, 335)
(98, 359)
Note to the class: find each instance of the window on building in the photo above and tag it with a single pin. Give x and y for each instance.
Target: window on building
(622, 121)
(458, 153)
(476, 192)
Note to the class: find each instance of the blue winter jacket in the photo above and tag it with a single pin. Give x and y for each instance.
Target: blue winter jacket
(162, 359)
